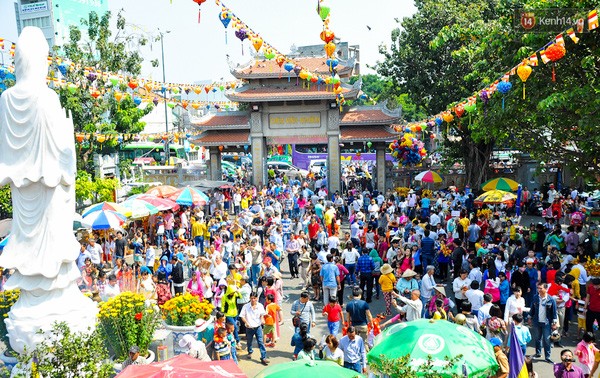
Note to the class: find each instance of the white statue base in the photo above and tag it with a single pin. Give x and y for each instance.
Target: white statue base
(39, 310)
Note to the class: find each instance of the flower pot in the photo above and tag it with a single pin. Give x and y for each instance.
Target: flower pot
(178, 332)
(149, 358)
(9, 361)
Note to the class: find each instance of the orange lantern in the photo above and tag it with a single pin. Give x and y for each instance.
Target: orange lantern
(100, 138)
(327, 36)
(132, 84)
(118, 96)
(555, 53)
(280, 59)
(197, 90)
(79, 138)
(257, 42)
(195, 105)
(184, 104)
(448, 117)
(165, 137)
(459, 110)
(329, 48)
(220, 148)
(95, 93)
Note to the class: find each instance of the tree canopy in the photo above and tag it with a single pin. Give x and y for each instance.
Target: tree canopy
(449, 50)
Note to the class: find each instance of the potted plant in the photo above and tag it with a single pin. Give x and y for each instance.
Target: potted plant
(124, 321)
(180, 314)
(66, 354)
(7, 299)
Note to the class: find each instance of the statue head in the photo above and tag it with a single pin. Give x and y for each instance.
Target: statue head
(31, 57)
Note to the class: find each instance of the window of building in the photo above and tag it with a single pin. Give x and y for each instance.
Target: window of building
(40, 22)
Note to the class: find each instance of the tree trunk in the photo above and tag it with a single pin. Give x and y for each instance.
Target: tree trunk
(476, 158)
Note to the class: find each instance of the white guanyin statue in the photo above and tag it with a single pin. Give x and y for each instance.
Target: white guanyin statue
(37, 159)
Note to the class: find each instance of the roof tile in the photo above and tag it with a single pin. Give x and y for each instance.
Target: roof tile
(262, 68)
(354, 117)
(217, 120)
(223, 137)
(360, 133)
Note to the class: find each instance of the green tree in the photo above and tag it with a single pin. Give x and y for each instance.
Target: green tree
(428, 69)
(95, 190)
(401, 367)
(105, 52)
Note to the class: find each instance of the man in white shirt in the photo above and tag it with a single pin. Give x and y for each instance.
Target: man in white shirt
(484, 311)
(475, 296)
(253, 316)
(427, 285)
(95, 251)
(150, 256)
(413, 307)
(434, 219)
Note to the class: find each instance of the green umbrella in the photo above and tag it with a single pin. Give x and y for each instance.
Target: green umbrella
(438, 339)
(307, 369)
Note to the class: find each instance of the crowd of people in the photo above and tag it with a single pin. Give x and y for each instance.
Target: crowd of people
(423, 255)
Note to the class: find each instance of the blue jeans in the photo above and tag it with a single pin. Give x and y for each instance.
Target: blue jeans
(254, 272)
(334, 328)
(234, 320)
(426, 260)
(250, 333)
(543, 332)
(351, 277)
(356, 366)
(170, 234)
(199, 241)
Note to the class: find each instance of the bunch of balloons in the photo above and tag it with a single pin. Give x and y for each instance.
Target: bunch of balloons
(408, 150)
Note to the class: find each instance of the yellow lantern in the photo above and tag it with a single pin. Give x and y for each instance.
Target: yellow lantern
(118, 96)
(524, 71)
(330, 49)
(257, 42)
(448, 117)
(100, 138)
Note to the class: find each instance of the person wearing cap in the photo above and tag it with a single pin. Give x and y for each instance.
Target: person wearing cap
(503, 367)
(551, 195)
(387, 280)
(134, 357)
(407, 283)
(194, 348)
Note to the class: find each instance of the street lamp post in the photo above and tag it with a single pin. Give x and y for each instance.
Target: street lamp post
(162, 49)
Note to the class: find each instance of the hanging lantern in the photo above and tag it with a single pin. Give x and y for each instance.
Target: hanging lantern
(555, 53)
(269, 54)
(323, 10)
(327, 36)
(524, 71)
(95, 93)
(220, 148)
(257, 42)
(155, 101)
(329, 49)
(504, 87)
(199, 2)
(79, 138)
(118, 96)
(459, 110)
(369, 144)
(100, 138)
(485, 97)
(448, 117)
(165, 137)
(132, 84)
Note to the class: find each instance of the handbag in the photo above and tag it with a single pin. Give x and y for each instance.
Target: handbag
(296, 319)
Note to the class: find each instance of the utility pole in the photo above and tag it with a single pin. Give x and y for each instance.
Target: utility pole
(162, 49)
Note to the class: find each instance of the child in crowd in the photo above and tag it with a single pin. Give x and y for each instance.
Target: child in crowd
(586, 352)
(230, 327)
(273, 316)
(333, 312)
(523, 334)
(222, 345)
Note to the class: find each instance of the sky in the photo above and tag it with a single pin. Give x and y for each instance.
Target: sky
(197, 51)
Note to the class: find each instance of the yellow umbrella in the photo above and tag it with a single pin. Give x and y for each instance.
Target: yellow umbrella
(495, 197)
(500, 183)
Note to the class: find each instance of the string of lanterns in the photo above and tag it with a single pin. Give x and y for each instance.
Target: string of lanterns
(550, 53)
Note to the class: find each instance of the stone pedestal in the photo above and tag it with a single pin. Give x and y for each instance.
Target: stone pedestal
(215, 164)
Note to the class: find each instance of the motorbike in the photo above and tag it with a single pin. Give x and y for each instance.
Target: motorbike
(535, 208)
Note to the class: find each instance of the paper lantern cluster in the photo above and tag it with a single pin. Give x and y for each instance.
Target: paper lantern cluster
(408, 150)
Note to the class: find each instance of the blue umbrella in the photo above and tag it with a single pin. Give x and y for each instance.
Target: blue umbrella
(518, 203)
(104, 219)
(189, 196)
(4, 242)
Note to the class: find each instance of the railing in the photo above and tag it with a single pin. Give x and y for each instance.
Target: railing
(173, 175)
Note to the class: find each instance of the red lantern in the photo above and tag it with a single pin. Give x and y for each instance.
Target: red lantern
(79, 138)
(459, 110)
(199, 2)
(165, 137)
(132, 84)
(555, 53)
(327, 36)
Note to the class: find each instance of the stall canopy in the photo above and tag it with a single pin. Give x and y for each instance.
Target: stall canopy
(184, 366)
